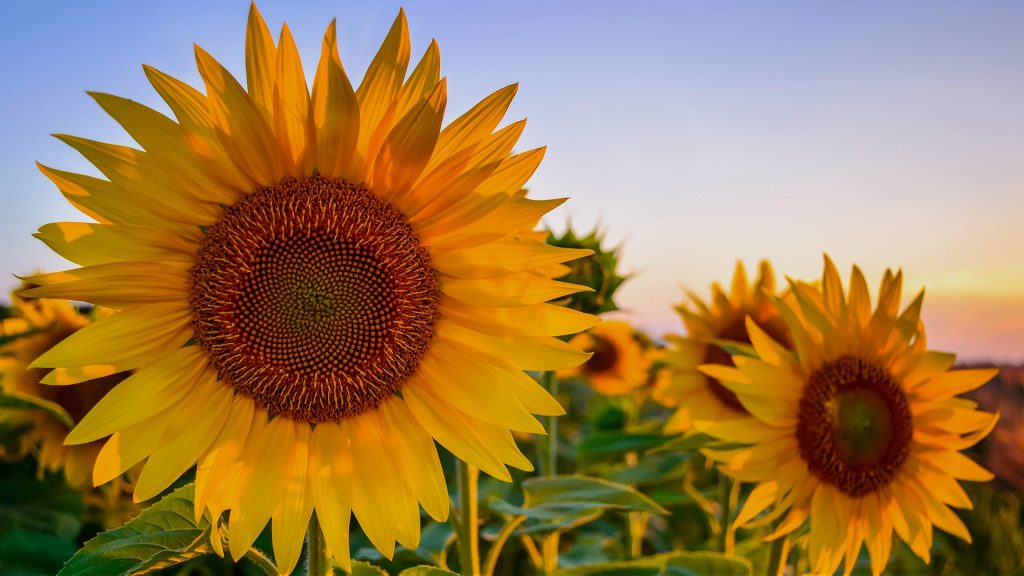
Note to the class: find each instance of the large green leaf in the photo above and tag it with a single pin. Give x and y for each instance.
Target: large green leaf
(707, 564)
(670, 564)
(651, 469)
(163, 535)
(558, 502)
(40, 517)
(611, 445)
(360, 568)
(426, 571)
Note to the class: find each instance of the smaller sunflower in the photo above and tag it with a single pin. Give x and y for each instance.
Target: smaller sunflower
(618, 363)
(858, 430)
(34, 327)
(707, 324)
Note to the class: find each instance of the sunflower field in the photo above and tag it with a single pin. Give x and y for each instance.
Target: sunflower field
(314, 324)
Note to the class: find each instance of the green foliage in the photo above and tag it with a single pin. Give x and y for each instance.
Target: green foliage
(39, 520)
(613, 445)
(670, 564)
(561, 502)
(426, 571)
(165, 534)
(598, 271)
(15, 401)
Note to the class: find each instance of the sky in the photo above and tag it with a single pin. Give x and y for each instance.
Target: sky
(693, 133)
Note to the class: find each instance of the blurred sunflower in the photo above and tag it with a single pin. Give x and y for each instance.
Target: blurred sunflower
(707, 325)
(860, 430)
(35, 326)
(313, 287)
(617, 364)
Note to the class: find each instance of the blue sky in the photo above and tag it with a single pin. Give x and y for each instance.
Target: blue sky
(889, 134)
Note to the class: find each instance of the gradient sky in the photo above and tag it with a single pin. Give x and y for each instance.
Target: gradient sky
(696, 133)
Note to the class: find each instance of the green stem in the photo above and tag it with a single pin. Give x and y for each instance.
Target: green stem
(491, 561)
(319, 560)
(777, 557)
(550, 382)
(723, 495)
(256, 558)
(468, 524)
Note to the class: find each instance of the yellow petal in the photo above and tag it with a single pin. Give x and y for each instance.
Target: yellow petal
(127, 448)
(524, 353)
(376, 489)
(422, 81)
(142, 395)
(512, 173)
(219, 460)
(242, 127)
(536, 320)
(167, 143)
(292, 121)
(521, 289)
(405, 152)
(335, 115)
(415, 457)
(260, 61)
(474, 125)
(331, 472)
(192, 426)
(460, 381)
(143, 181)
(955, 382)
(292, 517)
(127, 339)
(117, 285)
(383, 79)
(88, 244)
(262, 479)
(452, 429)
(762, 496)
(502, 257)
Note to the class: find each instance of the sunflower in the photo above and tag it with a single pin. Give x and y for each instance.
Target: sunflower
(34, 327)
(724, 319)
(313, 286)
(859, 430)
(617, 364)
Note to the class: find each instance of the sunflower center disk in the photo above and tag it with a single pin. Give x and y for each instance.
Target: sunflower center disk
(314, 298)
(854, 428)
(605, 357)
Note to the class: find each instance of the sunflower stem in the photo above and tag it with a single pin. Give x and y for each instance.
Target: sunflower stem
(725, 496)
(777, 556)
(468, 524)
(318, 559)
(550, 382)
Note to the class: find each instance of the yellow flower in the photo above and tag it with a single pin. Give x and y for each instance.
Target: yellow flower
(724, 318)
(34, 327)
(618, 364)
(859, 430)
(313, 287)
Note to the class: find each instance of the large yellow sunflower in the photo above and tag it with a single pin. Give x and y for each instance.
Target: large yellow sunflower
(34, 327)
(723, 319)
(313, 287)
(859, 430)
(618, 363)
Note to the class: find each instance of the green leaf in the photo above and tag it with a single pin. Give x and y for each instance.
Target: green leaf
(163, 535)
(707, 564)
(688, 443)
(40, 517)
(652, 469)
(611, 445)
(13, 400)
(670, 564)
(559, 502)
(426, 571)
(360, 568)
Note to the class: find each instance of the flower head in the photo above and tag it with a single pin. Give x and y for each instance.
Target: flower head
(313, 287)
